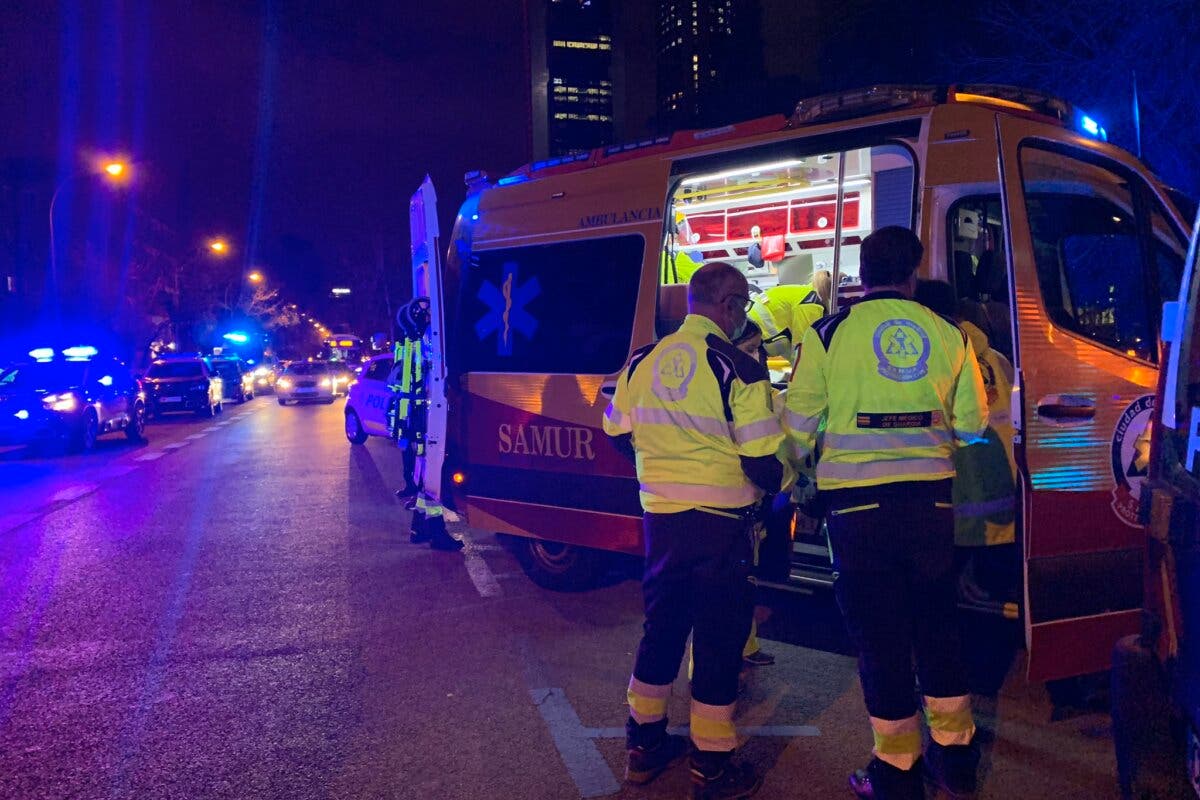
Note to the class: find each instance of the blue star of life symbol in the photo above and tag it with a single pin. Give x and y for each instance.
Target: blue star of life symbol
(506, 309)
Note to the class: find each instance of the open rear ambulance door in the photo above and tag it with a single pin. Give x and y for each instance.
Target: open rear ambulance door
(427, 282)
(1084, 273)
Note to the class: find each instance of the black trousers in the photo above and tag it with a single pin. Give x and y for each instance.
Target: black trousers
(696, 580)
(893, 549)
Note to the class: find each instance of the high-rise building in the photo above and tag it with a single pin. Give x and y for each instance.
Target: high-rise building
(571, 51)
(705, 49)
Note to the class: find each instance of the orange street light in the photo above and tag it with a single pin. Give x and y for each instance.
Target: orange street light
(219, 246)
(255, 277)
(115, 169)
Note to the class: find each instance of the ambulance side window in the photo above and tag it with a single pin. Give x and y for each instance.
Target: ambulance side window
(560, 308)
(1098, 275)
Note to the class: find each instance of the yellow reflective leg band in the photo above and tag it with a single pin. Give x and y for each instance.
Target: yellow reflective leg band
(950, 720)
(752, 645)
(647, 702)
(897, 742)
(712, 727)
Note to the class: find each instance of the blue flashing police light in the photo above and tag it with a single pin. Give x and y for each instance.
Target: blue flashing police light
(80, 352)
(42, 353)
(511, 179)
(239, 338)
(1090, 125)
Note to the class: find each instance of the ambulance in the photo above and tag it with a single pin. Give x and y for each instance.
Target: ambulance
(1066, 245)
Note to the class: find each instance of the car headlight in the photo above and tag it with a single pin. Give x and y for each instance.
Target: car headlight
(66, 401)
(325, 383)
(284, 383)
(261, 372)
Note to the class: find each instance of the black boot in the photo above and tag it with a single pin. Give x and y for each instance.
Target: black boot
(716, 776)
(881, 781)
(953, 768)
(651, 750)
(439, 538)
(419, 530)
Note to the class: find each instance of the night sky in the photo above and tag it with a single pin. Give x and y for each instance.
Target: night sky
(299, 126)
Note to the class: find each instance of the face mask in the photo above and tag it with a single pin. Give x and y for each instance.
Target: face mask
(739, 330)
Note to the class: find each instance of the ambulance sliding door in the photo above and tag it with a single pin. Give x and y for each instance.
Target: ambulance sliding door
(1091, 255)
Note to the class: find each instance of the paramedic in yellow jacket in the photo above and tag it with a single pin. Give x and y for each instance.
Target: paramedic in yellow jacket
(696, 415)
(884, 392)
(677, 266)
(786, 311)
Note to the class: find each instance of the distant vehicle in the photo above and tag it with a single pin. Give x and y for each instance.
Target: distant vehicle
(183, 383)
(69, 397)
(343, 347)
(366, 405)
(344, 375)
(266, 372)
(304, 382)
(236, 377)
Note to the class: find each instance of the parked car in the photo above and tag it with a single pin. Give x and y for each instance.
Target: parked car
(183, 383)
(236, 377)
(305, 382)
(367, 402)
(70, 397)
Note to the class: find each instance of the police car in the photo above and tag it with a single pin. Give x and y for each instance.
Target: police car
(366, 405)
(70, 396)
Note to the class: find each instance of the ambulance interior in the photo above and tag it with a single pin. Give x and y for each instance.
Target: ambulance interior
(793, 204)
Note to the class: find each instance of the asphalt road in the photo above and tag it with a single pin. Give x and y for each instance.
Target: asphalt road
(233, 610)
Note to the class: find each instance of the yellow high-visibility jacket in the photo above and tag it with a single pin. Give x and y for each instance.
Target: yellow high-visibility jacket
(985, 500)
(788, 308)
(695, 405)
(886, 389)
(677, 270)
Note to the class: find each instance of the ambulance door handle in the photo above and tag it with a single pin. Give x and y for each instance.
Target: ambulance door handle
(1067, 407)
(608, 389)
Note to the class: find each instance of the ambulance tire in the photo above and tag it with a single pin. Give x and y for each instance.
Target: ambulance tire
(1146, 731)
(560, 567)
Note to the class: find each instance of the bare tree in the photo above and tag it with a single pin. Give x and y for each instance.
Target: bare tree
(1089, 52)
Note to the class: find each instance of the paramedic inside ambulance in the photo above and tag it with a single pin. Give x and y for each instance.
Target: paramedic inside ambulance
(677, 265)
(754, 252)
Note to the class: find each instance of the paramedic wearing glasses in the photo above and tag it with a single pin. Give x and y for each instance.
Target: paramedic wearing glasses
(695, 413)
(890, 389)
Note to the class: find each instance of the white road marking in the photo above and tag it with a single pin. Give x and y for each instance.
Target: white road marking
(175, 445)
(74, 492)
(581, 757)
(478, 570)
(209, 429)
(151, 456)
(196, 436)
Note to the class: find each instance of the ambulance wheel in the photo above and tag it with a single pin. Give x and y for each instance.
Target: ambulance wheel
(354, 429)
(560, 567)
(1146, 731)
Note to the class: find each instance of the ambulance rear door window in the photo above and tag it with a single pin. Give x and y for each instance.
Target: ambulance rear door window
(562, 308)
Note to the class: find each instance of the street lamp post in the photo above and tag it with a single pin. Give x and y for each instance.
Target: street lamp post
(112, 170)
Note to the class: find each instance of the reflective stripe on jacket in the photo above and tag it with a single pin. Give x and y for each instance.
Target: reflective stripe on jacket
(884, 392)
(695, 405)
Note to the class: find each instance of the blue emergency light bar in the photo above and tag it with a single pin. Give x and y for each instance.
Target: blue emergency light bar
(240, 338)
(76, 353)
